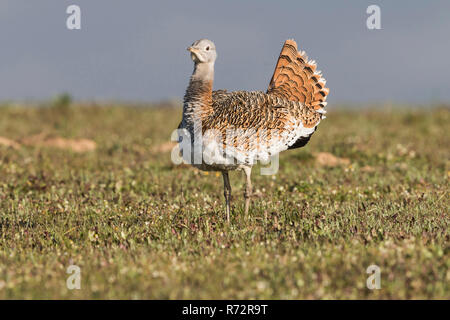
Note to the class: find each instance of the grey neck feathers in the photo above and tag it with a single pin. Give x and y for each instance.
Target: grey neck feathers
(203, 71)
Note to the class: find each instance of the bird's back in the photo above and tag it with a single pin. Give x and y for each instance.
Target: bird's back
(253, 125)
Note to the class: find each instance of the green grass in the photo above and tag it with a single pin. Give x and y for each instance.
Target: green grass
(140, 227)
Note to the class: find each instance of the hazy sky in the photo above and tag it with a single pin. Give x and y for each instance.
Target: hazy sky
(136, 50)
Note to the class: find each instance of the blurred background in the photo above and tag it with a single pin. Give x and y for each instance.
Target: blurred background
(86, 177)
(135, 50)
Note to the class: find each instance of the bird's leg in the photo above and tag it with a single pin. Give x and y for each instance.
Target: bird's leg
(248, 188)
(227, 192)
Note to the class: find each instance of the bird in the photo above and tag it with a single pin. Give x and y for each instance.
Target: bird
(225, 130)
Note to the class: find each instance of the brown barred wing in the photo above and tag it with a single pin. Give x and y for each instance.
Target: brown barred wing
(254, 125)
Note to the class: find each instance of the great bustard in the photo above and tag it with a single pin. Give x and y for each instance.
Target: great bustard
(222, 131)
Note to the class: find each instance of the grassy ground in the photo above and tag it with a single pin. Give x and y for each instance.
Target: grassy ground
(140, 227)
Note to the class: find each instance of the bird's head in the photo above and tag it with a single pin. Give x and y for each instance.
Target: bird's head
(203, 51)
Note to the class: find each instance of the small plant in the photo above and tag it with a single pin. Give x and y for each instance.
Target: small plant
(62, 102)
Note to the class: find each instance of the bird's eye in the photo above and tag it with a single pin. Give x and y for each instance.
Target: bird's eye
(207, 48)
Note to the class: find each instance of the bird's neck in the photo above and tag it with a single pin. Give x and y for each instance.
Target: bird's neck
(198, 97)
(203, 71)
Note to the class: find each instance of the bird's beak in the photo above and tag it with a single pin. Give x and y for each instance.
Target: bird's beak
(192, 49)
(195, 54)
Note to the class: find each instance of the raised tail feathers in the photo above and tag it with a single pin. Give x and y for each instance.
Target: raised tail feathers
(295, 78)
